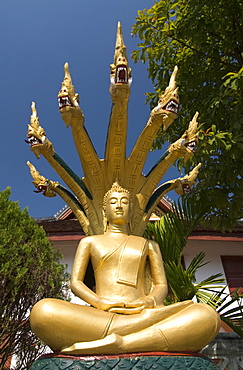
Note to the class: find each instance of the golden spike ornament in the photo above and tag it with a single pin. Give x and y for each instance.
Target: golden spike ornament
(99, 174)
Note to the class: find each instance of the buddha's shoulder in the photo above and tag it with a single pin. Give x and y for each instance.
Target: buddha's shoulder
(102, 237)
(93, 239)
(153, 244)
(138, 238)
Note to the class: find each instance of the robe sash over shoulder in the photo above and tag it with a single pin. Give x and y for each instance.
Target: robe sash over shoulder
(128, 268)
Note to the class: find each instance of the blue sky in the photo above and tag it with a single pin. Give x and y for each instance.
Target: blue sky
(37, 38)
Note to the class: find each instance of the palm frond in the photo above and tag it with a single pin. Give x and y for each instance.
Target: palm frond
(173, 229)
(206, 297)
(196, 263)
(212, 279)
(229, 306)
(235, 325)
(180, 281)
(230, 299)
(206, 290)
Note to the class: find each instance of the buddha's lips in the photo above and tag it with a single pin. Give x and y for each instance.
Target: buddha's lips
(121, 75)
(64, 101)
(172, 106)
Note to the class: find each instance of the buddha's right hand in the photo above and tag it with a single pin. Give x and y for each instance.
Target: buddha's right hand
(105, 304)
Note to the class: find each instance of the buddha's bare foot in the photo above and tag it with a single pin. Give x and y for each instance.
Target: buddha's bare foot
(110, 344)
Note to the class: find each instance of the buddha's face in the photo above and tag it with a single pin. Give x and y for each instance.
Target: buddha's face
(118, 208)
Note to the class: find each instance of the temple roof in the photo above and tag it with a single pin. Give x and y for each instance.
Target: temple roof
(64, 224)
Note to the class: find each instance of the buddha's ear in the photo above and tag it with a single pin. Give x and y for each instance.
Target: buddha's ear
(130, 215)
(105, 223)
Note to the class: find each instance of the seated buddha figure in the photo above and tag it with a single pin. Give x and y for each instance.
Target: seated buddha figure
(122, 316)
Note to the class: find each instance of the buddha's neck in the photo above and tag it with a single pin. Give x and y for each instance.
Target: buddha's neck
(114, 228)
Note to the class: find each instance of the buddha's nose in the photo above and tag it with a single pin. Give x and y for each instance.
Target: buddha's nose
(119, 205)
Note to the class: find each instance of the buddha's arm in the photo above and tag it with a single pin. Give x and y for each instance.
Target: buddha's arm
(160, 287)
(157, 295)
(78, 287)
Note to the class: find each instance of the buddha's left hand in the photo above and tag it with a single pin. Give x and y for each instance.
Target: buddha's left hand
(135, 307)
(145, 302)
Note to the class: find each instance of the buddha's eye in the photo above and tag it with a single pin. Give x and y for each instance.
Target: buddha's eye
(124, 200)
(113, 201)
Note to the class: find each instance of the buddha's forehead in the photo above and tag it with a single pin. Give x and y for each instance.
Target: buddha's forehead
(118, 195)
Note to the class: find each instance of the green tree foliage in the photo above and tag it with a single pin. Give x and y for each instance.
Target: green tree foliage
(171, 233)
(29, 271)
(205, 39)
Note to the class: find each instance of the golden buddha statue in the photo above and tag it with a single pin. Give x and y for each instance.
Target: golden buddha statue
(122, 317)
(126, 312)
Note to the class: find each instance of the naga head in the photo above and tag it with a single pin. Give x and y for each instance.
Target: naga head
(168, 104)
(187, 144)
(184, 185)
(42, 185)
(120, 73)
(36, 135)
(68, 100)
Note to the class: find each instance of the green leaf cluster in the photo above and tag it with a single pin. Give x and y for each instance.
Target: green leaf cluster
(205, 39)
(171, 233)
(30, 270)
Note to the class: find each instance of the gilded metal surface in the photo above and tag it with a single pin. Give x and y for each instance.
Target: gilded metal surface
(126, 314)
(100, 174)
(124, 317)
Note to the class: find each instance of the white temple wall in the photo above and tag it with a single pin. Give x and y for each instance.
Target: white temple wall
(213, 252)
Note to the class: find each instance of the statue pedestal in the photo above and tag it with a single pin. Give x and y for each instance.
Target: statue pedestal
(136, 361)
